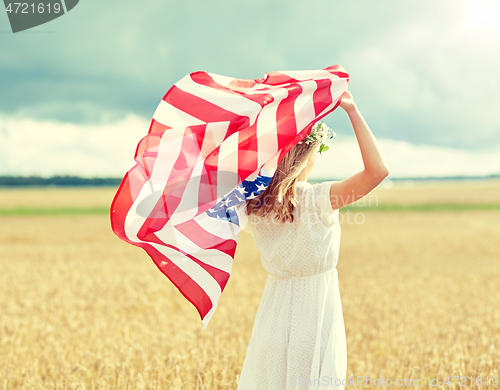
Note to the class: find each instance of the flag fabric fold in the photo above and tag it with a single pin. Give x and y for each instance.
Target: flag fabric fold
(214, 142)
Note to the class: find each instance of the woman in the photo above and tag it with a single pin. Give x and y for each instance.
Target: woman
(298, 339)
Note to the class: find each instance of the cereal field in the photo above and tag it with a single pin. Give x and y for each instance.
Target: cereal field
(80, 309)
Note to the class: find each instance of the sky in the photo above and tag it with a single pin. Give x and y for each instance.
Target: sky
(78, 93)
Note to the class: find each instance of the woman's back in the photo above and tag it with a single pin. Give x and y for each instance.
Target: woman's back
(298, 337)
(307, 246)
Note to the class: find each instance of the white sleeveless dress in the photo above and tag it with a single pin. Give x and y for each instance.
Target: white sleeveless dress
(298, 338)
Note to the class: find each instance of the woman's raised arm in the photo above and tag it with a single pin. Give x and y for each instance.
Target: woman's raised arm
(345, 192)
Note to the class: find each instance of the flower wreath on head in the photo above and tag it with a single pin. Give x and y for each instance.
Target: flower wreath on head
(320, 132)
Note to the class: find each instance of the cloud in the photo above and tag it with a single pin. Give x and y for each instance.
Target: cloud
(405, 159)
(45, 148)
(430, 80)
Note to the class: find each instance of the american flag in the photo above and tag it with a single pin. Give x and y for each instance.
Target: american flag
(214, 142)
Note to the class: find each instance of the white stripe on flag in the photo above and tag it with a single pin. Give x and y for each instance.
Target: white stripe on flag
(168, 152)
(209, 315)
(227, 178)
(188, 206)
(225, 229)
(221, 80)
(214, 135)
(304, 105)
(216, 259)
(270, 167)
(308, 74)
(267, 139)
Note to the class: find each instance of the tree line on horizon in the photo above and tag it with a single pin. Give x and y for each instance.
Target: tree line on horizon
(77, 181)
(59, 181)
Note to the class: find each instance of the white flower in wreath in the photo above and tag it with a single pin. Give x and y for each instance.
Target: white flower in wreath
(320, 133)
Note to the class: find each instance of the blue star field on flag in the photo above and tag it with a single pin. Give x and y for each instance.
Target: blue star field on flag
(246, 190)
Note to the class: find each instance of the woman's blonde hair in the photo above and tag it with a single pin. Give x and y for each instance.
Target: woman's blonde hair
(279, 198)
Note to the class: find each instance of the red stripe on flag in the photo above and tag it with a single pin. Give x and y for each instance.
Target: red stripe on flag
(322, 97)
(207, 191)
(120, 206)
